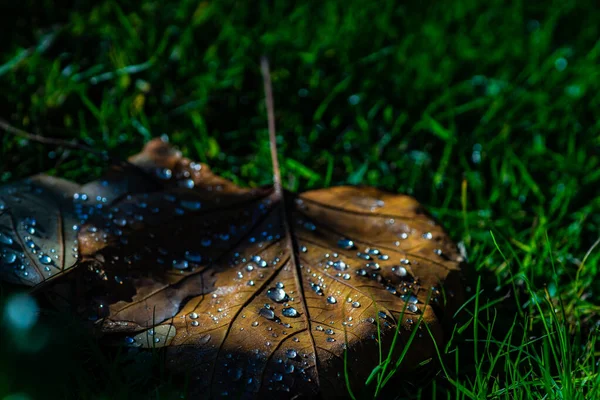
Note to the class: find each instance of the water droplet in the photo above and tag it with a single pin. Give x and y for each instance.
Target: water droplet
(204, 339)
(318, 290)
(289, 368)
(45, 259)
(206, 242)
(276, 294)
(267, 313)
(9, 257)
(191, 205)
(291, 353)
(129, 340)
(120, 222)
(427, 236)
(355, 304)
(195, 323)
(319, 328)
(310, 226)
(364, 256)
(382, 315)
(346, 244)
(373, 266)
(330, 339)
(303, 249)
(413, 308)
(401, 271)
(187, 183)
(164, 173)
(411, 298)
(180, 264)
(340, 265)
(5, 239)
(277, 377)
(193, 256)
(290, 312)
(331, 300)
(255, 323)
(193, 315)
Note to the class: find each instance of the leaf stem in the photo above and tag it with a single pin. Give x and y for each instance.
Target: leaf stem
(264, 66)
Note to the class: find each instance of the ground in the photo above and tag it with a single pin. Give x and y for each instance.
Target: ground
(485, 111)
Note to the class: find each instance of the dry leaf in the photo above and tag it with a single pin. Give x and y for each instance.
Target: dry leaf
(251, 291)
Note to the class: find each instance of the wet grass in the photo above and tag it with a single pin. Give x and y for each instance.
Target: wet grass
(484, 111)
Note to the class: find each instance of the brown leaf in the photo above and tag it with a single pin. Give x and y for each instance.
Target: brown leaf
(252, 292)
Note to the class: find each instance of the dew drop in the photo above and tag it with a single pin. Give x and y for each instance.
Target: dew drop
(355, 304)
(346, 244)
(204, 339)
(187, 183)
(310, 226)
(193, 256)
(290, 312)
(164, 173)
(45, 259)
(120, 222)
(267, 313)
(9, 257)
(291, 353)
(331, 300)
(340, 265)
(180, 264)
(5, 239)
(277, 377)
(276, 294)
(191, 205)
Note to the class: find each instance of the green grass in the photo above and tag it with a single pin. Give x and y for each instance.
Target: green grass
(487, 112)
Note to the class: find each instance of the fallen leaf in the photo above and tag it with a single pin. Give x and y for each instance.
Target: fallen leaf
(251, 292)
